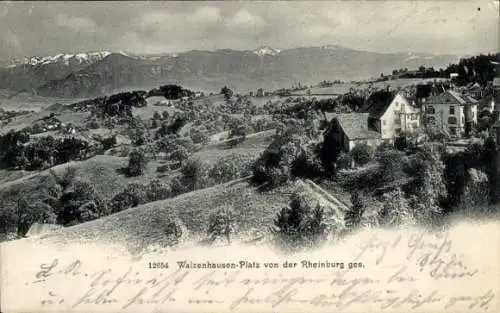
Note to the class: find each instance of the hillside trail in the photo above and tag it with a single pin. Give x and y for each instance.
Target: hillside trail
(337, 207)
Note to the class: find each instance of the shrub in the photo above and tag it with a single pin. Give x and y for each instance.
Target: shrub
(163, 168)
(391, 166)
(195, 174)
(81, 205)
(29, 213)
(344, 161)
(396, 210)
(299, 225)
(401, 143)
(109, 142)
(157, 190)
(133, 195)
(224, 170)
(361, 154)
(180, 155)
(354, 215)
(93, 124)
(137, 163)
(173, 231)
(199, 135)
(221, 224)
(66, 178)
(154, 123)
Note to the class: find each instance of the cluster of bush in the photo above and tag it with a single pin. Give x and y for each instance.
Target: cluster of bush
(170, 92)
(19, 151)
(294, 152)
(63, 199)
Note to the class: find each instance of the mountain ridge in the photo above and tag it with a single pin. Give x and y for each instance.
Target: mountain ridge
(242, 70)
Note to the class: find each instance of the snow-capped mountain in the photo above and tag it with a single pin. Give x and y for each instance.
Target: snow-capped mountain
(92, 74)
(265, 50)
(62, 58)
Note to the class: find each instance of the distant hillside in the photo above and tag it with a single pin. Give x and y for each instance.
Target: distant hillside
(30, 72)
(209, 70)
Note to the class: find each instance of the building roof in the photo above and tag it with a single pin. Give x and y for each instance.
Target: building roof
(496, 82)
(378, 102)
(329, 116)
(355, 126)
(451, 97)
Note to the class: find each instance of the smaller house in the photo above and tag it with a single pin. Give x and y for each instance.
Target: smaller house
(158, 101)
(475, 91)
(451, 111)
(351, 129)
(496, 90)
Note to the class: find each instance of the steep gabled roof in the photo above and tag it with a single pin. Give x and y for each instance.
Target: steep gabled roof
(451, 97)
(378, 102)
(355, 126)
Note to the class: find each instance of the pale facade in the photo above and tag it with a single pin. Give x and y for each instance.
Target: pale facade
(448, 111)
(397, 116)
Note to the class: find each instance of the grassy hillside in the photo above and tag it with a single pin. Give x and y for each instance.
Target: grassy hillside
(251, 148)
(102, 170)
(145, 225)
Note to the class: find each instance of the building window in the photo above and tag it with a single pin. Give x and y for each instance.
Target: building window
(398, 121)
(414, 117)
(452, 120)
(430, 110)
(452, 110)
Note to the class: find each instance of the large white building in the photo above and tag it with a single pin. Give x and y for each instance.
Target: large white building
(392, 114)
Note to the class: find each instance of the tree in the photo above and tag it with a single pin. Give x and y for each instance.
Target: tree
(195, 174)
(391, 166)
(396, 210)
(224, 170)
(156, 190)
(428, 189)
(362, 154)
(221, 224)
(65, 179)
(354, 215)
(165, 115)
(80, 205)
(228, 93)
(199, 135)
(180, 155)
(154, 123)
(300, 225)
(156, 116)
(238, 132)
(133, 195)
(137, 163)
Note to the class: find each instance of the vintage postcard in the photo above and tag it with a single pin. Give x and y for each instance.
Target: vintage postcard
(249, 156)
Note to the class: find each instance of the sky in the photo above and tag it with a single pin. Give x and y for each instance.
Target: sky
(439, 27)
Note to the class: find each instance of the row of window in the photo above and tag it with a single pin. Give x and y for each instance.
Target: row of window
(411, 116)
(431, 110)
(451, 120)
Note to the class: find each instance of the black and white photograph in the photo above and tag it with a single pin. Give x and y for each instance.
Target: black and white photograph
(243, 156)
